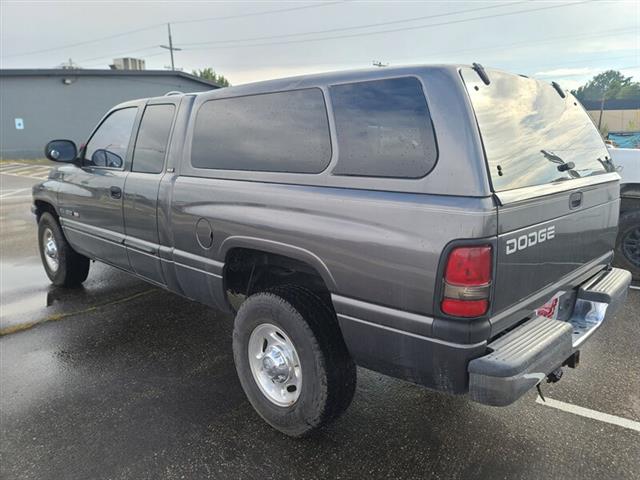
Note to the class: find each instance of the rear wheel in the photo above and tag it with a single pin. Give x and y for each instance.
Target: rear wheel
(628, 243)
(63, 265)
(291, 359)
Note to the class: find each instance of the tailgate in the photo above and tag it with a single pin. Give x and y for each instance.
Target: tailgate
(542, 241)
(556, 189)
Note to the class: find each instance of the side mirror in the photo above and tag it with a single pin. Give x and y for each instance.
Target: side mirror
(61, 151)
(105, 158)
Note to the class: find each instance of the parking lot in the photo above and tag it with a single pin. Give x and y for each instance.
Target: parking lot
(123, 380)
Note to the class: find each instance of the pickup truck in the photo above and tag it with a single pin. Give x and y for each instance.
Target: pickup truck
(447, 225)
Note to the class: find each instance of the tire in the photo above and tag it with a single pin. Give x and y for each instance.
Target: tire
(628, 243)
(72, 268)
(327, 372)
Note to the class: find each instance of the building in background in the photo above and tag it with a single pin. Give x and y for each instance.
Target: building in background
(619, 115)
(40, 105)
(127, 63)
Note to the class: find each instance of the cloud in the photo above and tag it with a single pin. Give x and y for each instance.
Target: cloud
(631, 72)
(628, 43)
(567, 84)
(566, 72)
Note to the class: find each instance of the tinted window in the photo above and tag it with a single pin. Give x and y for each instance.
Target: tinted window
(277, 132)
(153, 136)
(384, 129)
(532, 135)
(108, 145)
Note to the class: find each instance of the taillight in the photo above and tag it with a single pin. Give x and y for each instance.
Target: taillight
(467, 282)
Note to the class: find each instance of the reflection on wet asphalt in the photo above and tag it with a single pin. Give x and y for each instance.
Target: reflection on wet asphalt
(128, 381)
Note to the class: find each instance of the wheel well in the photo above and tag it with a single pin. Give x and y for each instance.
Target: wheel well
(42, 207)
(249, 271)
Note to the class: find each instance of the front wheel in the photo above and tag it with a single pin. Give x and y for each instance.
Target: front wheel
(64, 266)
(291, 359)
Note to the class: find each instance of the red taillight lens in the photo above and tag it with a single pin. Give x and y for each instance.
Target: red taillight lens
(467, 280)
(469, 266)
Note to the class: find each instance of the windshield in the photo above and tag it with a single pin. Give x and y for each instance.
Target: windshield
(531, 135)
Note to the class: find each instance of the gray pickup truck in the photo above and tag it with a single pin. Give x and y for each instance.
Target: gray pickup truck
(447, 225)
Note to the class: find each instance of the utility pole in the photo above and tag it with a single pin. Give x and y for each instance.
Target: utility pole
(171, 48)
(604, 95)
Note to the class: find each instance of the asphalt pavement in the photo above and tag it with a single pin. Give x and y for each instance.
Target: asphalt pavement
(122, 380)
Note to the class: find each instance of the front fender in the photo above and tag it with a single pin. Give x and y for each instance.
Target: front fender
(45, 192)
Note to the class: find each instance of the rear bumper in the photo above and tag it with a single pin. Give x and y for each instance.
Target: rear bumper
(401, 345)
(523, 357)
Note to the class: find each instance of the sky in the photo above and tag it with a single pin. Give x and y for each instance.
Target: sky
(568, 42)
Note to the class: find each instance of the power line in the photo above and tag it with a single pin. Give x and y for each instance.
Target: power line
(267, 12)
(502, 46)
(526, 43)
(86, 42)
(320, 31)
(403, 29)
(150, 27)
(357, 27)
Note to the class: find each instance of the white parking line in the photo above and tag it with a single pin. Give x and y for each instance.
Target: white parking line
(38, 172)
(9, 166)
(22, 169)
(11, 193)
(41, 176)
(588, 413)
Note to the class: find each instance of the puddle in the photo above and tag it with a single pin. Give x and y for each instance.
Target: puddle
(22, 275)
(25, 291)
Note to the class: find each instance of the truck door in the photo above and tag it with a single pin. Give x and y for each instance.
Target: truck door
(141, 190)
(91, 198)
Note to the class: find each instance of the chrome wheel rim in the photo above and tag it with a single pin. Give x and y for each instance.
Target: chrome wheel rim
(50, 250)
(275, 364)
(631, 246)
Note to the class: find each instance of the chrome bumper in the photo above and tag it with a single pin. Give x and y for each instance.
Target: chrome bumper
(522, 358)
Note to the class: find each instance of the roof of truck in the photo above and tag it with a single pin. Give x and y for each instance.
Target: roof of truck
(310, 80)
(337, 77)
(329, 78)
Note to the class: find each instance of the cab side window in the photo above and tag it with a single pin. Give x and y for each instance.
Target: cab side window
(271, 132)
(153, 137)
(108, 145)
(384, 129)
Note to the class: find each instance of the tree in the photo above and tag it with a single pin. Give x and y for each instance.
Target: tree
(630, 91)
(211, 75)
(607, 85)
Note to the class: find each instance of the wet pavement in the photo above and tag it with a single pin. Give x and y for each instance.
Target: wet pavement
(123, 380)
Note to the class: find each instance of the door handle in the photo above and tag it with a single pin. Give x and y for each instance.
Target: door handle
(116, 192)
